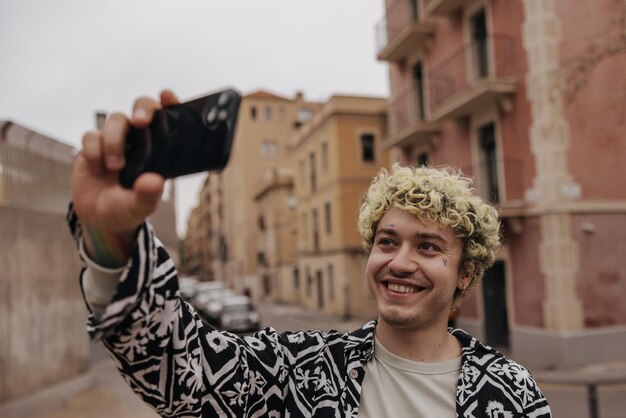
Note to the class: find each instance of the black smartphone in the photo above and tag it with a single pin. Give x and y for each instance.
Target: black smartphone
(182, 139)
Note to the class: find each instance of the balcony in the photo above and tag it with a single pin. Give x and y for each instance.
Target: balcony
(401, 32)
(477, 76)
(407, 125)
(443, 7)
(500, 182)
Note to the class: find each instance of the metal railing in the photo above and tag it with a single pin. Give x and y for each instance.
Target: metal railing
(33, 181)
(499, 183)
(590, 379)
(491, 58)
(398, 16)
(405, 110)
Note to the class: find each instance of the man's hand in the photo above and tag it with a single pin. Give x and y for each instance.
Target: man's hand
(109, 213)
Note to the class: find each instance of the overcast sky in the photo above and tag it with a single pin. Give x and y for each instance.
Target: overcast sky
(63, 60)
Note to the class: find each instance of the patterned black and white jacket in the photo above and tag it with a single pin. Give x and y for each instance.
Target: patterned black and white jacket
(184, 368)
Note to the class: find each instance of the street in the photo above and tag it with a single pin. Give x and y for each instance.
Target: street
(101, 392)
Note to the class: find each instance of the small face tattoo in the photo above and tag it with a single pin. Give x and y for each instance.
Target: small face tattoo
(445, 262)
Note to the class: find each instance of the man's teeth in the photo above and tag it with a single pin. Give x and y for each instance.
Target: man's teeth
(401, 289)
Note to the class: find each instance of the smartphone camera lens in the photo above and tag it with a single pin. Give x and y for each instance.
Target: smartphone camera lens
(223, 99)
(210, 117)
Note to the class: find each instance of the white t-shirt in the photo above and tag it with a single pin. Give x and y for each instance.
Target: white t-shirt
(396, 387)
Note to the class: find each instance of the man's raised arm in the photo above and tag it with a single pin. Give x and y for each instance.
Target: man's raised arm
(109, 213)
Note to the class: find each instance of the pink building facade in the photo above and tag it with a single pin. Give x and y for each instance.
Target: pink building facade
(529, 98)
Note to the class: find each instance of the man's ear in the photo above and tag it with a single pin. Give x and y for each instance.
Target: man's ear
(465, 276)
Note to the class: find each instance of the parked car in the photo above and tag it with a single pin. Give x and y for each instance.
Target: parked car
(187, 285)
(204, 291)
(239, 315)
(212, 309)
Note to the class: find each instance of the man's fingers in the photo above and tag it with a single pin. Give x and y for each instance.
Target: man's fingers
(147, 189)
(114, 140)
(143, 111)
(92, 149)
(168, 98)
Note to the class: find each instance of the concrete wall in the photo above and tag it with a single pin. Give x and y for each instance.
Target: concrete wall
(543, 349)
(539, 349)
(601, 281)
(42, 314)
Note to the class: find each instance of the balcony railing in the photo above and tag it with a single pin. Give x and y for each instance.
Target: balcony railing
(401, 31)
(501, 182)
(407, 120)
(442, 7)
(475, 75)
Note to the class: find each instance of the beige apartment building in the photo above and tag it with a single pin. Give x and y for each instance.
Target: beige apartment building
(198, 249)
(528, 98)
(164, 221)
(265, 128)
(277, 251)
(336, 155)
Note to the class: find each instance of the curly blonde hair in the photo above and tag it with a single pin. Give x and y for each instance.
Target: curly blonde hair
(439, 195)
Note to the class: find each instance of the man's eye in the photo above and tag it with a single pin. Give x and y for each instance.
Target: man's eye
(385, 242)
(427, 246)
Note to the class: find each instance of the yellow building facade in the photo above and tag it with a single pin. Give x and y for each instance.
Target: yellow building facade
(277, 252)
(198, 249)
(265, 128)
(336, 154)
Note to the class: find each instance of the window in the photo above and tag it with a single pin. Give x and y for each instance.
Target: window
(325, 155)
(489, 162)
(292, 202)
(479, 44)
(268, 113)
(331, 282)
(253, 112)
(267, 284)
(316, 235)
(309, 281)
(418, 81)
(327, 218)
(301, 170)
(422, 159)
(296, 278)
(223, 249)
(304, 115)
(312, 161)
(320, 288)
(305, 229)
(414, 10)
(367, 147)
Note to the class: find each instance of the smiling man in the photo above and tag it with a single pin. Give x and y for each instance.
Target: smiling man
(428, 240)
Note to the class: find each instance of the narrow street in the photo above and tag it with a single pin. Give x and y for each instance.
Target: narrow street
(290, 318)
(102, 393)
